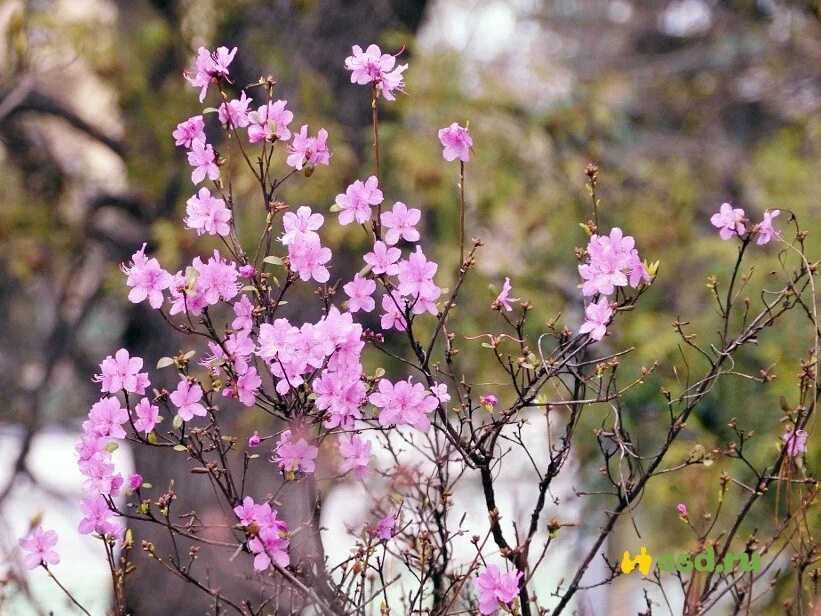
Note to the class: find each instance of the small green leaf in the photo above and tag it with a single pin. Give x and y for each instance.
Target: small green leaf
(164, 362)
(111, 447)
(273, 260)
(152, 438)
(210, 110)
(177, 423)
(253, 456)
(180, 448)
(336, 208)
(188, 355)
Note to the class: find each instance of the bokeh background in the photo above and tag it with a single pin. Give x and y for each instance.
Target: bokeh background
(684, 104)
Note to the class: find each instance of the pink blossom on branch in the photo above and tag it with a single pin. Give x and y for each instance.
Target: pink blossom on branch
(503, 299)
(356, 454)
(596, 317)
(146, 278)
(796, 442)
(400, 223)
(270, 122)
(207, 214)
(122, 372)
(40, 547)
(308, 258)
(303, 223)
(496, 589)
(355, 203)
(209, 68)
(204, 160)
(456, 142)
(360, 291)
(186, 132)
(403, 403)
(729, 220)
(147, 416)
(382, 259)
(233, 114)
(765, 230)
(309, 151)
(294, 453)
(373, 66)
(187, 398)
(96, 515)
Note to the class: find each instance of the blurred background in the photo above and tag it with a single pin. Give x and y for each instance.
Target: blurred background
(684, 104)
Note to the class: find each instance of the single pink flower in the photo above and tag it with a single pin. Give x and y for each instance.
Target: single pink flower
(39, 544)
(186, 132)
(382, 259)
(400, 223)
(356, 454)
(96, 515)
(372, 66)
(122, 372)
(147, 416)
(503, 300)
(187, 400)
(360, 291)
(682, 510)
(254, 440)
(729, 220)
(765, 230)
(796, 441)
(209, 68)
(146, 279)
(293, 453)
(456, 143)
(489, 401)
(308, 258)
(597, 315)
(204, 160)
(496, 589)
(355, 203)
(233, 114)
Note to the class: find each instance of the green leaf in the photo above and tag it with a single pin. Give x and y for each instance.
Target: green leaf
(180, 448)
(164, 362)
(273, 260)
(177, 423)
(152, 438)
(188, 355)
(111, 447)
(336, 208)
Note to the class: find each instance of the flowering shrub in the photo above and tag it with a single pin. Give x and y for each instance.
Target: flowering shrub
(309, 375)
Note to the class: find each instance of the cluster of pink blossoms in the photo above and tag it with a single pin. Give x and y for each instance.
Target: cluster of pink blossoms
(372, 66)
(613, 261)
(269, 538)
(730, 223)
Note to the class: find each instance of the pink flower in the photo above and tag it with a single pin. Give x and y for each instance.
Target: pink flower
(405, 403)
(293, 453)
(106, 418)
(96, 514)
(416, 276)
(122, 372)
(440, 390)
(382, 259)
(340, 393)
(210, 67)
(503, 300)
(204, 160)
(253, 441)
(303, 223)
(359, 292)
(456, 143)
(596, 317)
(614, 262)
(729, 220)
(308, 258)
(39, 544)
(357, 455)
(147, 416)
(186, 132)
(355, 203)
(245, 512)
(765, 229)
(207, 214)
(135, 481)
(247, 386)
(311, 151)
(401, 222)
(386, 528)
(682, 510)
(233, 114)
(496, 589)
(489, 401)
(796, 441)
(244, 312)
(187, 400)
(270, 122)
(217, 279)
(372, 66)
(249, 271)
(146, 279)
(101, 476)
(269, 547)
(394, 317)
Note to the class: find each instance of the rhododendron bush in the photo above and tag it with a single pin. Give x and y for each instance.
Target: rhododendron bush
(417, 427)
